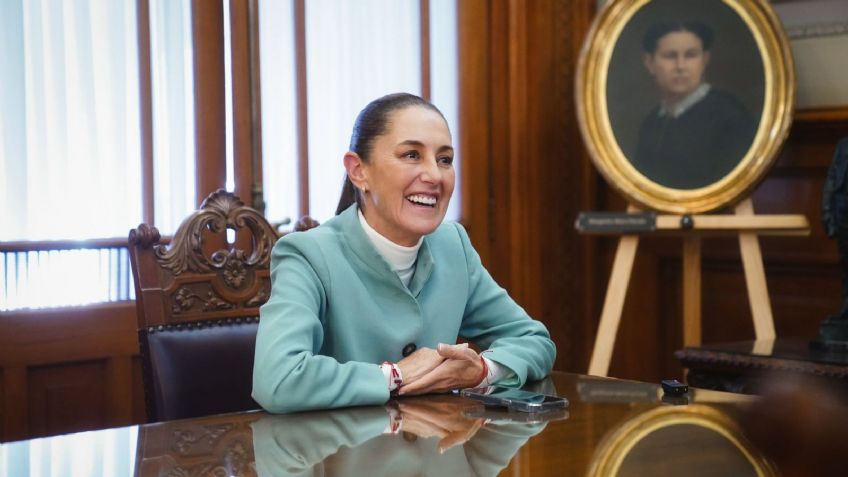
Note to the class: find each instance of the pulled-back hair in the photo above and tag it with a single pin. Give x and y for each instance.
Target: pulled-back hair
(372, 122)
(658, 30)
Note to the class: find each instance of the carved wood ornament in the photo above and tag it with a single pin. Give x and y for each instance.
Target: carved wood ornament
(190, 281)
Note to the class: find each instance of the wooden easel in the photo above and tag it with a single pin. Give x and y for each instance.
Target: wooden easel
(743, 223)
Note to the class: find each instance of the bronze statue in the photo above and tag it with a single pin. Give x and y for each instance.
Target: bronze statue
(833, 332)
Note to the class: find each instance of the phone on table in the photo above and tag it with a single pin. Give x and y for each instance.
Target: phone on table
(515, 399)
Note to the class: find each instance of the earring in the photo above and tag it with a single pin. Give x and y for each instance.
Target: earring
(364, 189)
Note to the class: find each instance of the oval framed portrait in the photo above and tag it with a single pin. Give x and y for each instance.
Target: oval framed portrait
(684, 104)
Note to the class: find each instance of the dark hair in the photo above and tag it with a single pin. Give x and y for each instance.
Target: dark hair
(370, 123)
(658, 30)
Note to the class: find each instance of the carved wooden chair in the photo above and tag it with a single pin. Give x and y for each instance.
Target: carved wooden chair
(198, 304)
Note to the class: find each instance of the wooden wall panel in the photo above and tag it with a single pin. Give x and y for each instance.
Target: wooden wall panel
(525, 167)
(531, 177)
(69, 369)
(2, 404)
(67, 397)
(802, 272)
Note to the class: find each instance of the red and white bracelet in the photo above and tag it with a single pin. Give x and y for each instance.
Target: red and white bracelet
(484, 377)
(395, 378)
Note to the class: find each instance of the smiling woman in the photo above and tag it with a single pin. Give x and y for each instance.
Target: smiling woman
(407, 183)
(372, 302)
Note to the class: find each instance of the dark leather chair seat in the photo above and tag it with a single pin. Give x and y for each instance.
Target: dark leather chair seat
(202, 368)
(198, 300)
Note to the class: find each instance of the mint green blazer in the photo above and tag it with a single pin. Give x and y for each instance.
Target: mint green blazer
(337, 311)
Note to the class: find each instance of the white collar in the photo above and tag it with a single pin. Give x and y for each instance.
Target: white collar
(398, 256)
(683, 105)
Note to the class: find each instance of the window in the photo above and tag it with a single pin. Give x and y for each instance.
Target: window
(354, 52)
(72, 122)
(70, 144)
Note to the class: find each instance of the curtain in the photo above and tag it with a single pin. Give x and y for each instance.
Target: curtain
(70, 151)
(69, 119)
(355, 52)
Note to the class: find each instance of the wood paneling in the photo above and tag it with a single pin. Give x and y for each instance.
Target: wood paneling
(526, 173)
(69, 369)
(145, 103)
(802, 272)
(67, 397)
(207, 33)
(2, 403)
(247, 119)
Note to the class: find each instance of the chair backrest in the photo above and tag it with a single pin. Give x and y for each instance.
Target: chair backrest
(198, 304)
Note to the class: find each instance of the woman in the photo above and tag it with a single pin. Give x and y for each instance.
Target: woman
(697, 134)
(369, 303)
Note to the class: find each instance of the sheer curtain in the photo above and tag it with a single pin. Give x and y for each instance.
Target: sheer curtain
(279, 109)
(355, 52)
(70, 156)
(172, 81)
(69, 119)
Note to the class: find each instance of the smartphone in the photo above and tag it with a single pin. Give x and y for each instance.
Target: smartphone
(515, 399)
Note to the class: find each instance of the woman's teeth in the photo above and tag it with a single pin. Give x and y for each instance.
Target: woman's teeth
(422, 200)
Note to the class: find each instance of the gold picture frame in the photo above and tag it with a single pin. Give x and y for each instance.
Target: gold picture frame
(607, 83)
(616, 450)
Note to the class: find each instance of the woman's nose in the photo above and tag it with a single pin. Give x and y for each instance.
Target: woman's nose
(430, 171)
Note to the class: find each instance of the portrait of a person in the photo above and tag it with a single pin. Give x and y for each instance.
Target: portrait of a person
(697, 133)
(372, 302)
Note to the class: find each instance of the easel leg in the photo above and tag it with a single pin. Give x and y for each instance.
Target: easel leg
(755, 278)
(613, 304)
(692, 291)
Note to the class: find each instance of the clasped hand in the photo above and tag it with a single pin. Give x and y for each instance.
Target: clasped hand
(439, 416)
(440, 370)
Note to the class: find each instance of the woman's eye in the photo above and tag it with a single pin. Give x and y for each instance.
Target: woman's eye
(446, 160)
(411, 155)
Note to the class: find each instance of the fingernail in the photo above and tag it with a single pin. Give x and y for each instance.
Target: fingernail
(441, 346)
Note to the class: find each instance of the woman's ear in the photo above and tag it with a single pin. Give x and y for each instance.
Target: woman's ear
(356, 170)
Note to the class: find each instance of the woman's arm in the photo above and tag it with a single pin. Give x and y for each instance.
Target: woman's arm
(288, 373)
(499, 326)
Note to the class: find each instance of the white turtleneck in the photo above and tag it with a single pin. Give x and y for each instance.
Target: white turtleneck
(402, 261)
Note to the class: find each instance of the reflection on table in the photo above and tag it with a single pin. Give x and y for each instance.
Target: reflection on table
(612, 427)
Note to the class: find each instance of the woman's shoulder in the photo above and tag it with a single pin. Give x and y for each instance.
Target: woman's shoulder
(451, 239)
(449, 231)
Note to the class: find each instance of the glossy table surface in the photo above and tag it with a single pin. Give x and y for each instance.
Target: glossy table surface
(612, 427)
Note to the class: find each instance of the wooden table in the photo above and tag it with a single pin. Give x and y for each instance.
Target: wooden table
(611, 425)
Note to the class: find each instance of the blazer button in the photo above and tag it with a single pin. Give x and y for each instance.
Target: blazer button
(409, 349)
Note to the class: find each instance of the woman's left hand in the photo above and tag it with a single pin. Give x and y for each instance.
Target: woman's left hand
(462, 368)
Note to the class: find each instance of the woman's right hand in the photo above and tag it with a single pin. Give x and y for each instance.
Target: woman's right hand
(418, 364)
(439, 416)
